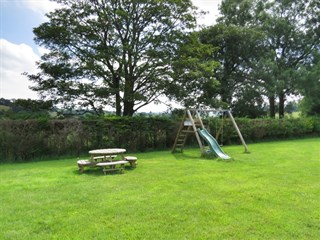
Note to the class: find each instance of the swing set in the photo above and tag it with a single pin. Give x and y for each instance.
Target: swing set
(218, 130)
(192, 123)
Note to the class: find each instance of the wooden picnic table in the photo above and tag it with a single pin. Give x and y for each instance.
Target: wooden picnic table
(105, 158)
(107, 154)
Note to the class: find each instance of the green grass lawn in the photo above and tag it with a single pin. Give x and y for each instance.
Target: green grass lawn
(271, 193)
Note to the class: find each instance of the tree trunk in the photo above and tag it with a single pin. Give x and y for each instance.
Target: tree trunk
(272, 107)
(128, 108)
(226, 97)
(282, 99)
(118, 104)
(116, 82)
(128, 98)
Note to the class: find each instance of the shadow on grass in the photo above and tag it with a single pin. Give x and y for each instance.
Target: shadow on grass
(98, 171)
(193, 156)
(187, 156)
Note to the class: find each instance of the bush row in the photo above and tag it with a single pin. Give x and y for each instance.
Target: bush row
(30, 139)
(254, 130)
(34, 139)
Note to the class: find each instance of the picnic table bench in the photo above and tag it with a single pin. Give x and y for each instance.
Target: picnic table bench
(112, 166)
(84, 163)
(132, 160)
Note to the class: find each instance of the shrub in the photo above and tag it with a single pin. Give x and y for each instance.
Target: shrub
(24, 140)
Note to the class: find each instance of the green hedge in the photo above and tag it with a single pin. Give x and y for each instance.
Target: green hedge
(34, 139)
(266, 129)
(30, 139)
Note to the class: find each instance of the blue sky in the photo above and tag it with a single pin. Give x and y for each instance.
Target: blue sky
(17, 22)
(18, 52)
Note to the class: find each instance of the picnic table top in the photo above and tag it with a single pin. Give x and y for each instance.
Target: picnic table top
(107, 151)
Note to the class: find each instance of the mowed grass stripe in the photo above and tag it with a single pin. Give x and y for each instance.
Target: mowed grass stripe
(271, 193)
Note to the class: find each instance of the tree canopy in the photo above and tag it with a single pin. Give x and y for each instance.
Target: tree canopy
(117, 53)
(265, 46)
(126, 54)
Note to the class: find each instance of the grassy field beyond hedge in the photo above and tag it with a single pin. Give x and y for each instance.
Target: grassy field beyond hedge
(271, 193)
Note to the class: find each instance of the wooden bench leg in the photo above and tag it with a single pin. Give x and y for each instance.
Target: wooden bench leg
(113, 168)
(105, 170)
(81, 168)
(121, 168)
(133, 163)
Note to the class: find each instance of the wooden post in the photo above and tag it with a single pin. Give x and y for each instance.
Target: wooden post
(238, 131)
(195, 129)
(199, 119)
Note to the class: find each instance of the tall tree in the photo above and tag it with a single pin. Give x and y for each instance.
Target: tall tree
(291, 31)
(292, 39)
(111, 52)
(237, 50)
(194, 84)
(310, 86)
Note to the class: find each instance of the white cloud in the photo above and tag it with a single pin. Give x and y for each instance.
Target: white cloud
(40, 6)
(210, 6)
(14, 60)
(163, 106)
(43, 50)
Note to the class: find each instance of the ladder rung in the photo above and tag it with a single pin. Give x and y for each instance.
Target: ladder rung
(182, 137)
(187, 131)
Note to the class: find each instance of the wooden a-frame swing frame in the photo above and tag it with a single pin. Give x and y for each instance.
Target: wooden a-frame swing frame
(192, 120)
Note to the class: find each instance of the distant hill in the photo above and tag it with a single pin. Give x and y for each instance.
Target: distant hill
(4, 108)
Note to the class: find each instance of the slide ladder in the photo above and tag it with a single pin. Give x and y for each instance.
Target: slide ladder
(190, 122)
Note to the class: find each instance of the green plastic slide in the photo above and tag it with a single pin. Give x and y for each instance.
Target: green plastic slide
(213, 144)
